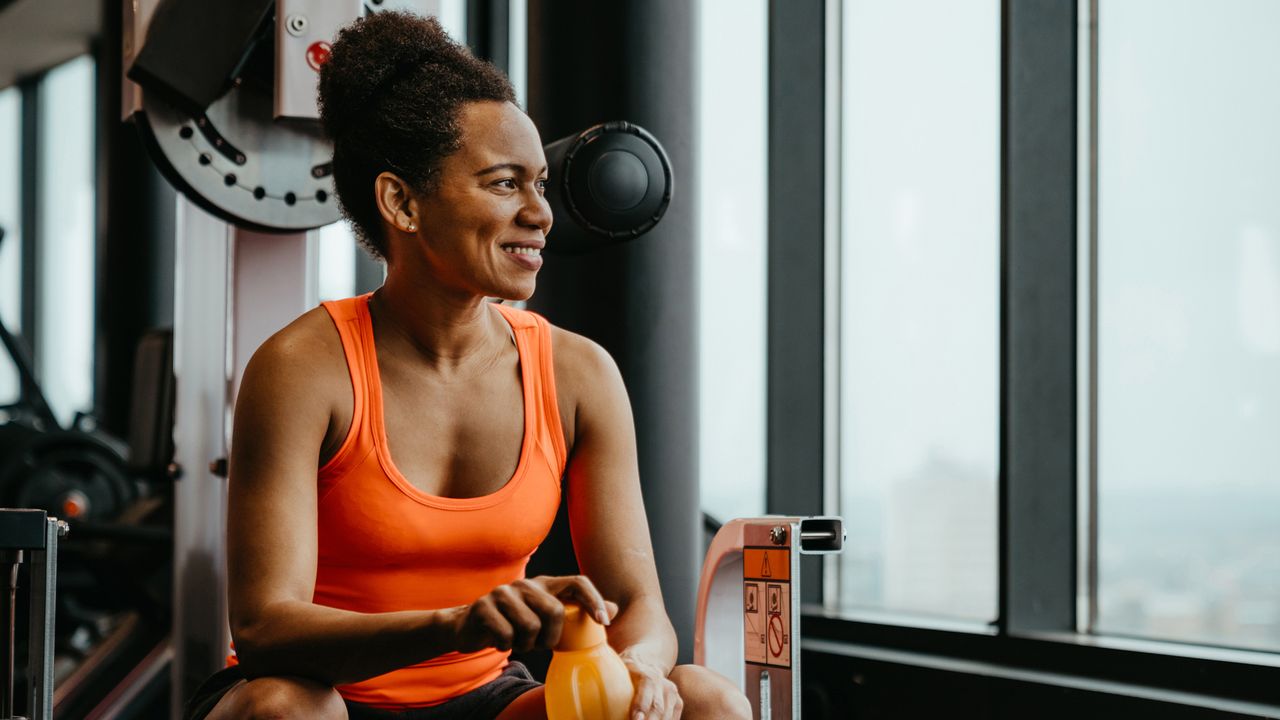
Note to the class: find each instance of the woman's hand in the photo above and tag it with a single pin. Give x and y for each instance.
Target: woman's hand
(656, 697)
(526, 614)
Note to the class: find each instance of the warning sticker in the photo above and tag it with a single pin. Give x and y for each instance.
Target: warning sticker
(766, 564)
(766, 606)
(754, 620)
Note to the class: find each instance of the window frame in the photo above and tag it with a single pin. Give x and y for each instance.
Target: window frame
(1036, 625)
(795, 403)
(29, 169)
(30, 89)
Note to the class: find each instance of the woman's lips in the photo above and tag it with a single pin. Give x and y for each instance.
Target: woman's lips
(529, 258)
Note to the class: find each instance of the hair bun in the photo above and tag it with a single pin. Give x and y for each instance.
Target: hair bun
(368, 57)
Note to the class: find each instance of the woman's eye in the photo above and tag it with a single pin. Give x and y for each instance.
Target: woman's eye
(508, 183)
(542, 185)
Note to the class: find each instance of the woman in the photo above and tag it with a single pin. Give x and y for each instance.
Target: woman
(397, 457)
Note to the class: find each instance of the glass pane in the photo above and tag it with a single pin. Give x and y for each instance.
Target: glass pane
(10, 244)
(919, 309)
(518, 54)
(453, 17)
(732, 147)
(337, 261)
(1189, 321)
(64, 355)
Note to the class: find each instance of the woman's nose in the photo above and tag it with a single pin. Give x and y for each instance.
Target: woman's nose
(536, 212)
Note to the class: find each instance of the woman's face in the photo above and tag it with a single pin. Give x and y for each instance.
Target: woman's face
(483, 229)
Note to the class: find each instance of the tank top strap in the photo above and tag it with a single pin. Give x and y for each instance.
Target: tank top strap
(536, 333)
(351, 318)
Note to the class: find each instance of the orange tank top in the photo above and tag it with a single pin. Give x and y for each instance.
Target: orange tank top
(386, 546)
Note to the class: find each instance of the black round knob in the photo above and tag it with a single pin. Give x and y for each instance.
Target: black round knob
(618, 180)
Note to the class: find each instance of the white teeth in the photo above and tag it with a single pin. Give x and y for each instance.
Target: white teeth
(523, 251)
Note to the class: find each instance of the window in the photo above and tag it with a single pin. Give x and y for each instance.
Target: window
(518, 51)
(732, 253)
(1176, 379)
(337, 258)
(64, 352)
(10, 244)
(919, 313)
(453, 17)
(1188, 333)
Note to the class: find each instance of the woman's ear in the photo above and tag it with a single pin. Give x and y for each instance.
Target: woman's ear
(396, 202)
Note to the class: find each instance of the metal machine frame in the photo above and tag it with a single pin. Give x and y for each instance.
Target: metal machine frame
(747, 621)
(33, 534)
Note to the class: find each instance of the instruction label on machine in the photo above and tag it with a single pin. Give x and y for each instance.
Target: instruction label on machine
(766, 605)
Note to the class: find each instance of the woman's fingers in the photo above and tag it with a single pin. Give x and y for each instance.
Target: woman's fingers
(581, 589)
(642, 701)
(656, 696)
(674, 703)
(525, 623)
(550, 611)
(529, 613)
(667, 704)
(656, 699)
(490, 625)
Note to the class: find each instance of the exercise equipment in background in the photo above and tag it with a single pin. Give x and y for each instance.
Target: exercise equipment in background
(238, 132)
(747, 624)
(29, 537)
(113, 574)
(608, 184)
(221, 113)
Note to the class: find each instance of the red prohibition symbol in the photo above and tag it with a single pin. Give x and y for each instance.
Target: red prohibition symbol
(317, 54)
(775, 635)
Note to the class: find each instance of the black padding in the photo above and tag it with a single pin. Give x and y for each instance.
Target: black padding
(194, 48)
(151, 410)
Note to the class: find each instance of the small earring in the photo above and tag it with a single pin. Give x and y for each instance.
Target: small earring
(411, 228)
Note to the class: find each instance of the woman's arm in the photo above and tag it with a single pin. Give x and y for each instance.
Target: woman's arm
(607, 518)
(287, 397)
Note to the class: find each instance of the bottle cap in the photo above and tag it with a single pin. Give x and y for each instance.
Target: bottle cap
(580, 631)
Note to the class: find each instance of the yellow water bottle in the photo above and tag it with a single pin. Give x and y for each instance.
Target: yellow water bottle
(586, 679)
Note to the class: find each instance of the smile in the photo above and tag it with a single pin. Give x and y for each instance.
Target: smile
(526, 256)
(535, 252)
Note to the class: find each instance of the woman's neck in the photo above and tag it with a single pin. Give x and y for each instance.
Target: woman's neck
(446, 330)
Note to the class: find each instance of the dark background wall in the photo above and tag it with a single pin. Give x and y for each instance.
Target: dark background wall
(592, 62)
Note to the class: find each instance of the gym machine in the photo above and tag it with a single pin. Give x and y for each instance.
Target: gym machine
(29, 534)
(747, 622)
(114, 562)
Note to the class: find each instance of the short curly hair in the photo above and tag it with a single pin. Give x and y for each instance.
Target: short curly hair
(390, 94)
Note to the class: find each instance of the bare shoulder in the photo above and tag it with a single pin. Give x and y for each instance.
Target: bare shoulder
(589, 386)
(581, 363)
(303, 358)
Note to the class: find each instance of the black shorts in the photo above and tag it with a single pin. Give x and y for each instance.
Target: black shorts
(483, 703)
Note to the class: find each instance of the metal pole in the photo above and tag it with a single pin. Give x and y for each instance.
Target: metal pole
(1091, 612)
(43, 617)
(202, 269)
(234, 289)
(12, 559)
